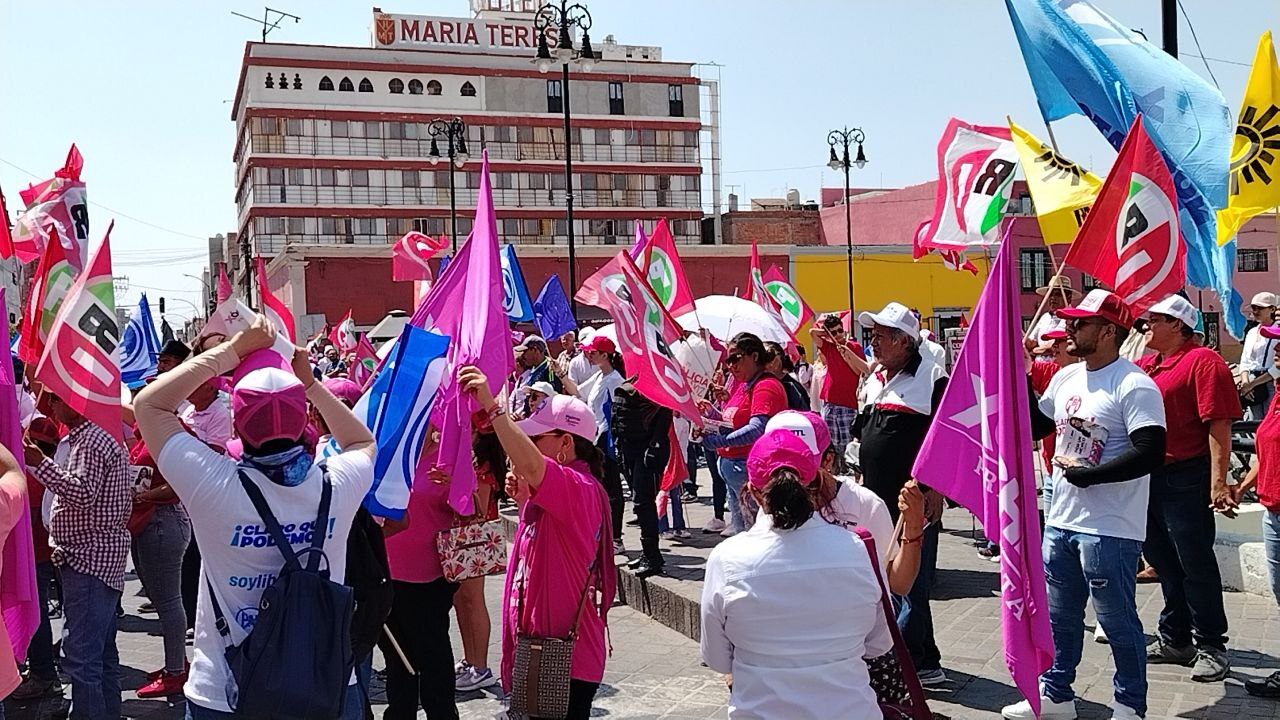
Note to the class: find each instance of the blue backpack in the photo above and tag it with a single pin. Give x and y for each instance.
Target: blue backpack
(297, 659)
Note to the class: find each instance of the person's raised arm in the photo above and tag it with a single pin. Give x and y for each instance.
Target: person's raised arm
(527, 461)
(348, 432)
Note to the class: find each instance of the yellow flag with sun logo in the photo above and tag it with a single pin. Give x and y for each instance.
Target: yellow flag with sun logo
(1061, 190)
(1255, 153)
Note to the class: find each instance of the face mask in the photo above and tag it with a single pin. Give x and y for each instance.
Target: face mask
(288, 468)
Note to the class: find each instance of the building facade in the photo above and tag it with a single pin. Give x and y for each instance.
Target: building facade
(333, 146)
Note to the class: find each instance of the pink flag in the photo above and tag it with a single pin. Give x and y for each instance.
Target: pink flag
(978, 453)
(951, 259)
(57, 205)
(224, 284)
(410, 254)
(664, 272)
(366, 362)
(640, 245)
(467, 305)
(794, 310)
(6, 237)
(274, 308)
(54, 276)
(343, 335)
(18, 599)
(759, 294)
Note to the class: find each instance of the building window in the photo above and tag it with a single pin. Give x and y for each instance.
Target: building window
(468, 90)
(415, 87)
(360, 178)
(1251, 260)
(409, 178)
(434, 87)
(366, 86)
(284, 82)
(555, 102)
(396, 86)
(297, 81)
(346, 86)
(675, 100)
(271, 81)
(1034, 268)
(326, 84)
(372, 130)
(616, 106)
(292, 126)
(1089, 282)
(338, 128)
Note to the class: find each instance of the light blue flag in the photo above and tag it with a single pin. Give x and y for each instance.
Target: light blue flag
(551, 311)
(515, 298)
(395, 408)
(139, 347)
(1073, 50)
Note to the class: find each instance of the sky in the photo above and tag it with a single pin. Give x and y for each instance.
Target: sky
(145, 87)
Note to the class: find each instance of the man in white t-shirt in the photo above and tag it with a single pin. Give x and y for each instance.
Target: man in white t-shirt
(1109, 417)
(239, 559)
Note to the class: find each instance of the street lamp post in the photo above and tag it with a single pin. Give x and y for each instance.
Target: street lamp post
(208, 297)
(844, 138)
(455, 131)
(564, 17)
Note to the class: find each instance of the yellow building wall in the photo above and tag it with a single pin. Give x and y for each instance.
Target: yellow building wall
(878, 279)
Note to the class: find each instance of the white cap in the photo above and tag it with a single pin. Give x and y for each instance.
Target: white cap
(1265, 299)
(894, 315)
(585, 333)
(1178, 307)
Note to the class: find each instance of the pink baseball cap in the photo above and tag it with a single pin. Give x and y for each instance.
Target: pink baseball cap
(267, 402)
(1270, 331)
(560, 413)
(781, 448)
(808, 426)
(345, 390)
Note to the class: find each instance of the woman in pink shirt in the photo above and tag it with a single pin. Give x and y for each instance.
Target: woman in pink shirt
(560, 575)
(13, 499)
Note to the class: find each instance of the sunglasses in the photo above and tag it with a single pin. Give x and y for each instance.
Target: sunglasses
(1077, 323)
(733, 358)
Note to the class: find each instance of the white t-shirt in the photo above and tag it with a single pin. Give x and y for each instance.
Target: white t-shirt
(597, 390)
(935, 351)
(854, 506)
(236, 559)
(1253, 355)
(1095, 411)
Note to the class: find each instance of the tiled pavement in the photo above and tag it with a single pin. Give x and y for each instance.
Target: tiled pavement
(655, 672)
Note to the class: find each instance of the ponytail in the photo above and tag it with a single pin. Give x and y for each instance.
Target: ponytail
(787, 499)
(591, 455)
(615, 359)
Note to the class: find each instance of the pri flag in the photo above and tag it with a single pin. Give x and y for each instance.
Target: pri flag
(54, 277)
(978, 453)
(19, 601)
(759, 294)
(56, 206)
(663, 269)
(81, 360)
(365, 364)
(410, 255)
(273, 307)
(139, 347)
(1130, 238)
(551, 311)
(515, 294)
(646, 334)
(343, 336)
(1062, 190)
(224, 284)
(795, 312)
(975, 177)
(1255, 172)
(951, 259)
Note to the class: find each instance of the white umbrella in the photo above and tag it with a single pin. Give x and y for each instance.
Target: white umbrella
(725, 316)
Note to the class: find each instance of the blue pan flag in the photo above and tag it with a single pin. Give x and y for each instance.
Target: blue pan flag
(139, 347)
(515, 294)
(551, 311)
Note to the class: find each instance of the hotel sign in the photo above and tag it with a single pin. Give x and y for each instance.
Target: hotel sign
(422, 32)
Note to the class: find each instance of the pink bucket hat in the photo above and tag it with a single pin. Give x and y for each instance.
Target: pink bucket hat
(267, 401)
(561, 413)
(808, 426)
(781, 448)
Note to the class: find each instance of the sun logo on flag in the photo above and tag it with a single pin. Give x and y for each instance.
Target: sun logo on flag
(1260, 135)
(1057, 167)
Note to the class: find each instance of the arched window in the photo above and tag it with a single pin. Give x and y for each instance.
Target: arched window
(468, 90)
(271, 81)
(345, 85)
(326, 84)
(365, 85)
(297, 81)
(415, 87)
(433, 87)
(284, 82)
(396, 86)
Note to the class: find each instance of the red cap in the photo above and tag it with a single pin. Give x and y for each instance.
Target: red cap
(600, 343)
(1101, 304)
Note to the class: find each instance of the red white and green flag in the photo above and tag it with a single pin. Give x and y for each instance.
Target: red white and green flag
(759, 294)
(81, 360)
(53, 278)
(664, 271)
(795, 312)
(366, 362)
(1130, 238)
(976, 164)
(343, 335)
(273, 307)
(56, 209)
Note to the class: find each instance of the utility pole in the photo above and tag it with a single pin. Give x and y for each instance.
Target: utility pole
(1169, 26)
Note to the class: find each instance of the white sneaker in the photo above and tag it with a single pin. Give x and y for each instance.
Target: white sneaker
(618, 548)
(714, 525)
(1100, 635)
(667, 535)
(1049, 710)
(728, 532)
(1120, 711)
(474, 679)
(681, 534)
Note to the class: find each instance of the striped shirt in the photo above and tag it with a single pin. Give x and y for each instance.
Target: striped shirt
(93, 498)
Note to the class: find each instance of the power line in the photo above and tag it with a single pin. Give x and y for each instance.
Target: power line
(1191, 26)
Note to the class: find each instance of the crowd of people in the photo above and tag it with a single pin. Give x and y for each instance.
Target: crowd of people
(240, 465)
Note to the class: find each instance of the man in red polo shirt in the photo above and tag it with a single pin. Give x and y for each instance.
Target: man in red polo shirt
(1200, 401)
(846, 366)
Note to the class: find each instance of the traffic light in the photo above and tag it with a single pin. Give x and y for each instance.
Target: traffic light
(161, 306)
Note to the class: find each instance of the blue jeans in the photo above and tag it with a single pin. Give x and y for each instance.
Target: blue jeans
(353, 709)
(1271, 542)
(734, 473)
(160, 548)
(915, 616)
(91, 660)
(40, 659)
(1079, 567)
(675, 511)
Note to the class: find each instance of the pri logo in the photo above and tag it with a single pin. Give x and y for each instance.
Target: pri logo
(384, 29)
(662, 276)
(787, 301)
(1146, 239)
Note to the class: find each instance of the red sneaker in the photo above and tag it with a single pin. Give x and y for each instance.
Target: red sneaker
(164, 686)
(156, 674)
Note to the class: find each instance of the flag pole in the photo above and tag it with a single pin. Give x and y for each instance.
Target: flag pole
(1059, 267)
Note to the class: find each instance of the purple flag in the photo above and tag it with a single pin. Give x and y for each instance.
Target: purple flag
(978, 453)
(18, 599)
(637, 247)
(467, 305)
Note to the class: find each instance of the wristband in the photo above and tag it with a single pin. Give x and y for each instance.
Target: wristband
(916, 539)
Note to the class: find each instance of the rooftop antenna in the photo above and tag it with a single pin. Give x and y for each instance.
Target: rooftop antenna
(268, 21)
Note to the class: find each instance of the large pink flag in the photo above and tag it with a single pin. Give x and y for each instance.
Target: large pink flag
(978, 453)
(18, 599)
(57, 205)
(273, 307)
(410, 254)
(663, 271)
(224, 284)
(466, 304)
